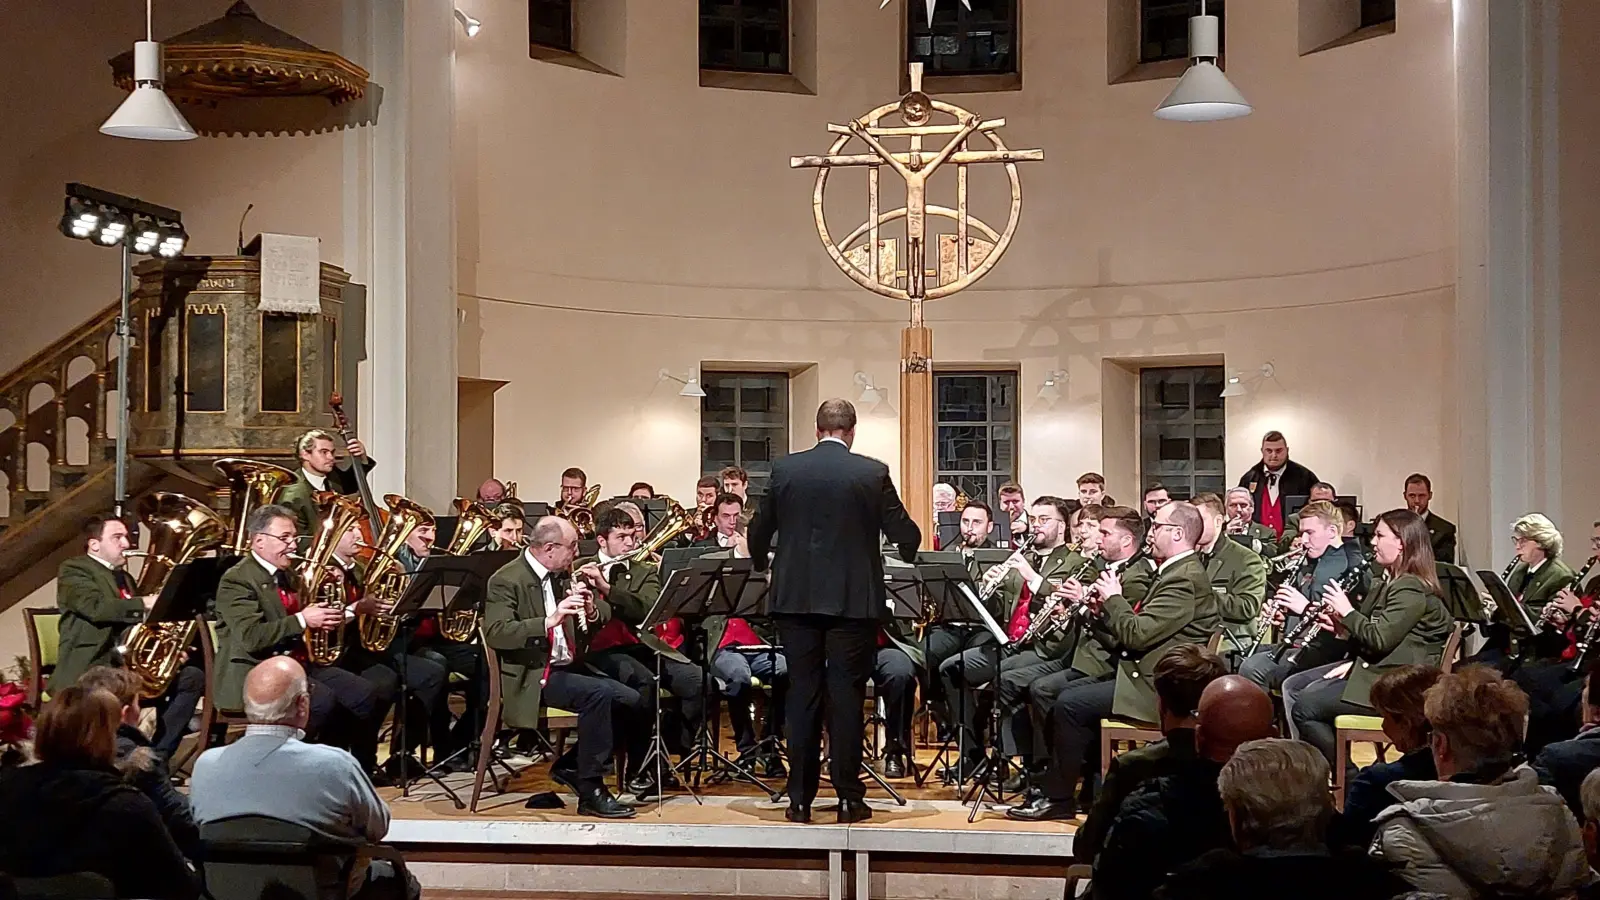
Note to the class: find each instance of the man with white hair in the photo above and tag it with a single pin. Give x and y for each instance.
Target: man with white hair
(1241, 509)
(273, 772)
(944, 498)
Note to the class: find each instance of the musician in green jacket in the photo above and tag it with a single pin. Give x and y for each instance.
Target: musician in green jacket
(321, 470)
(1401, 622)
(95, 597)
(1242, 527)
(1179, 609)
(541, 641)
(1238, 578)
(943, 641)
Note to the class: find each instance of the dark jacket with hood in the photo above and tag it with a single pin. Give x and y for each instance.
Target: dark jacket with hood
(1311, 874)
(58, 819)
(143, 768)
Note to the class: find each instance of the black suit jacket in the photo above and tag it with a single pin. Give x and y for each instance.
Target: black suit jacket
(1564, 764)
(1296, 480)
(830, 505)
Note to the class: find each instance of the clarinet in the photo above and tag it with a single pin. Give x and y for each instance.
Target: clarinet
(1286, 568)
(1308, 626)
(1584, 640)
(1048, 622)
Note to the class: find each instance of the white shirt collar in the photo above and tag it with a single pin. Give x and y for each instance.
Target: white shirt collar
(1537, 566)
(271, 569)
(538, 567)
(1168, 564)
(836, 440)
(288, 732)
(320, 482)
(101, 561)
(602, 558)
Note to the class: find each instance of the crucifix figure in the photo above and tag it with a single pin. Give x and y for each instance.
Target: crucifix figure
(962, 257)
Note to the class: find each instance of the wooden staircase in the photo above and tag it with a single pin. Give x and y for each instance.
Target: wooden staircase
(57, 455)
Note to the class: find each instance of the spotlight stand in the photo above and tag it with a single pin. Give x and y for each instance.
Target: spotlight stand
(124, 314)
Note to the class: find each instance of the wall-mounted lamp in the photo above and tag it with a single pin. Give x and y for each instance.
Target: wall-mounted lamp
(468, 24)
(1051, 389)
(871, 394)
(691, 385)
(1240, 381)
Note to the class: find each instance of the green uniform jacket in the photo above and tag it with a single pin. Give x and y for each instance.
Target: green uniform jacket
(1400, 623)
(1180, 609)
(93, 617)
(300, 495)
(252, 625)
(1257, 538)
(1064, 643)
(1542, 587)
(635, 588)
(1093, 657)
(514, 625)
(1239, 580)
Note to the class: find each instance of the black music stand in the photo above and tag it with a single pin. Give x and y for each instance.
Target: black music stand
(1460, 595)
(693, 592)
(190, 590)
(1508, 606)
(469, 575)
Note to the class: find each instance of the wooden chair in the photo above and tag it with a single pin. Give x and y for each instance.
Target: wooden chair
(1351, 730)
(43, 625)
(210, 714)
(559, 722)
(1120, 732)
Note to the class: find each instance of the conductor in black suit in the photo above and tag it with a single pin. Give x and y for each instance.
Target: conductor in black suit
(829, 506)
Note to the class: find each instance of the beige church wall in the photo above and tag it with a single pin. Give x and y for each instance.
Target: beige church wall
(57, 53)
(611, 227)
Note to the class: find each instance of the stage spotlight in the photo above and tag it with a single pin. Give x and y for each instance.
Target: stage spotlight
(146, 234)
(173, 240)
(110, 220)
(113, 230)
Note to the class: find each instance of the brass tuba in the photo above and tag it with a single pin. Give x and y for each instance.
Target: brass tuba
(385, 576)
(252, 484)
(321, 580)
(472, 520)
(180, 530)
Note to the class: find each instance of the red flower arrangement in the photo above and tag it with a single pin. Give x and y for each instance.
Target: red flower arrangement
(15, 726)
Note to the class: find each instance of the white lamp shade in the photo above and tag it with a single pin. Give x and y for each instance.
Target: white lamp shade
(692, 388)
(148, 114)
(1203, 94)
(1232, 389)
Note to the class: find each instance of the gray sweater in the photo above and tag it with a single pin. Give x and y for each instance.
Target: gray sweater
(271, 772)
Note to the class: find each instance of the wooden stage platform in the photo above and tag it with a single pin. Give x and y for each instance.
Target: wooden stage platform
(736, 842)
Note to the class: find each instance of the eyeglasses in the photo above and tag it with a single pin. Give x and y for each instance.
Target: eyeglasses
(289, 538)
(1155, 525)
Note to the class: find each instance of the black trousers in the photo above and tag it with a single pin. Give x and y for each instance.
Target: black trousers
(1019, 674)
(605, 708)
(466, 660)
(175, 709)
(426, 713)
(941, 643)
(961, 676)
(1555, 694)
(830, 659)
(347, 708)
(1075, 725)
(894, 676)
(636, 668)
(1312, 702)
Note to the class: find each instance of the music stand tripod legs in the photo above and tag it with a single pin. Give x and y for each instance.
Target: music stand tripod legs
(656, 756)
(705, 755)
(989, 779)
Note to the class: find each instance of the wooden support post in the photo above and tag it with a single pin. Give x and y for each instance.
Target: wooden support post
(916, 426)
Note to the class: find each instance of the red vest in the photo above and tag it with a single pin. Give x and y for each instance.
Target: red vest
(1272, 512)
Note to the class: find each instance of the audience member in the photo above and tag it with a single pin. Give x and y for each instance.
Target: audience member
(73, 812)
(273, 772)
(1181, 676)
(1564, 765)
(1397, 696)
(1173, 819)
(1486, 827)
(1591, 831)
(1275, 792)
(137, 760)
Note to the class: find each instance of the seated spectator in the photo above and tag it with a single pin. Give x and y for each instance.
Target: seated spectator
(137, 760)
(1591, 831)
(273, 772)
(1276, 795)
(1486, 827)
(1564, 765)
(1397, 696)
(1181, 675)
(1172, 820)
(73, 812)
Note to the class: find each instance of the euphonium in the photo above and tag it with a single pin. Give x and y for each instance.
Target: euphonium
(320, 586)
(472, 520)
(180, 530)
(252, 484)
(581, 514)
(385, 575)
(674, 523)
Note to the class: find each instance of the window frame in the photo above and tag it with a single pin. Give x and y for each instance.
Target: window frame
(1191, 8)
(785, 34)
(992, 475)
(916, 26)
(779, 434)
(1182, 485)
(534, 37)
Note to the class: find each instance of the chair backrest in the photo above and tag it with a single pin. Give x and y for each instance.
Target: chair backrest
(70, 886)
(43, 625)
(491, 666)
(1215, 643)
(262, 858)
(1452, 648)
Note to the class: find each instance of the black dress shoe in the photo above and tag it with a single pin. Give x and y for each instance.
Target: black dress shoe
(853, 811)
(797, 813)
(772, 766)
(598, 802)
(1043, 809)
(894, 765)
(567, 778)
(645, 788)
(1017, 783)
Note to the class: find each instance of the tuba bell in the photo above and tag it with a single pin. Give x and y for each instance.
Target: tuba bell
(252, 484)
(321, 579)
(472, 520)
(180, 530)
(386, 576)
